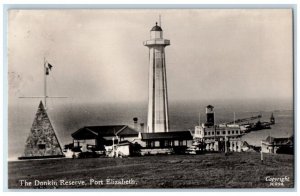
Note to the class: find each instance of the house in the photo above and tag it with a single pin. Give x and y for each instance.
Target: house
(278, 145)
(215, 136)
(121, 149)
(97, 137)
(249, 148)
(218, 137)
(121, 140)
(165, 142)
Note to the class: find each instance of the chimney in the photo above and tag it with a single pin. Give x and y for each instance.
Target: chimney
(135, 122)
(142, 127)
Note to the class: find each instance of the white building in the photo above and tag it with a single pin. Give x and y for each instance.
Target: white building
(215, 136)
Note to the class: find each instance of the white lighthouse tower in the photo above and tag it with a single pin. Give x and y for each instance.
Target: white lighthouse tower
(158, 115)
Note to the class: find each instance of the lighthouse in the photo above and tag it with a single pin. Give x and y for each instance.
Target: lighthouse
(158, 116)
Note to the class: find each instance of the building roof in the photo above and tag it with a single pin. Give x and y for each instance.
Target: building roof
(279, 141)
(218, 128)
(124, 143)
(93, 132)
(180, 135)
(209, 106)
(156, 28)
(245, 144)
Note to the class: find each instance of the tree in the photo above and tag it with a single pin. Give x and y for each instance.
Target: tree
(136, 149)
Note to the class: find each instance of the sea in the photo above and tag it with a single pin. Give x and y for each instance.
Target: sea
(67, 116)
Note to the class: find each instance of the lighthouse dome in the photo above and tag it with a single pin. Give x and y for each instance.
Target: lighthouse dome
(156, 28)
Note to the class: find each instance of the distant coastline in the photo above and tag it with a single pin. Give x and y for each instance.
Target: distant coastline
(68, 117)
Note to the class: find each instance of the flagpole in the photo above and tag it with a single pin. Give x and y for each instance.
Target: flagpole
(45, 84)
(199, 119)
(47, 68)
(234, 118)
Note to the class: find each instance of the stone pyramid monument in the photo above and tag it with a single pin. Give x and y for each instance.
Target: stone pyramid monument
(42, 141)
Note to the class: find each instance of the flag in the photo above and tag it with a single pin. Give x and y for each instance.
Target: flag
(48, 68)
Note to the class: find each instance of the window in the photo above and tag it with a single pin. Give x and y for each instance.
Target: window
(224, 132)
(237, 131)
(185, 142)
(156, 143)
(149, 144)
(180, 143)
(228, 132)
(208, 133)
(204, 133)
(232, 132)
(189, 143)
(41, 146)
(176, 142)
(79, 143)
(213, 133)
(218, 132)
(168, 143)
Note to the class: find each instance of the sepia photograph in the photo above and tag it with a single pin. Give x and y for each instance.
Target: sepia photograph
(151, 98)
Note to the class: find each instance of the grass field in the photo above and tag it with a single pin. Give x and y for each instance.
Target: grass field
(237, 170)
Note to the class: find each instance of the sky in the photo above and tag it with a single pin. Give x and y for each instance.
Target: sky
(98, 55)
